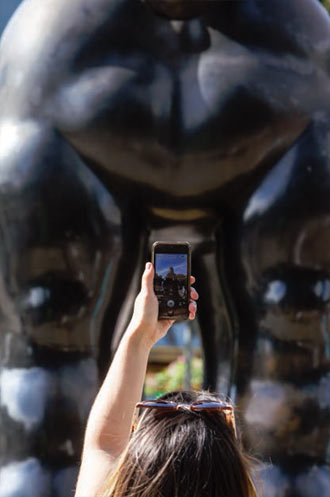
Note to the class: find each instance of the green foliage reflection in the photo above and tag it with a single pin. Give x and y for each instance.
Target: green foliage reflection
(326, 4)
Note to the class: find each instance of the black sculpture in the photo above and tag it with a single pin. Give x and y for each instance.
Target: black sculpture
(123, 122)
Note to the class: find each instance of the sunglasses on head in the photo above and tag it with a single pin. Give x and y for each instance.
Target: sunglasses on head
(197, 406)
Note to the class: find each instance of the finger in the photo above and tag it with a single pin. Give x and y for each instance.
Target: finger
(192, 306)
(148, 278)
(192, 310)
(192, 280)
(193, 294)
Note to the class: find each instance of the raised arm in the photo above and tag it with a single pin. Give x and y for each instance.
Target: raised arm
(110, 420)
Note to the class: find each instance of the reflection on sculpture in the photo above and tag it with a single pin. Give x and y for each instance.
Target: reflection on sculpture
(121, 125)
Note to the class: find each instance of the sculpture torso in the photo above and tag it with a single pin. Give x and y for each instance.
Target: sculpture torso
(155, 100)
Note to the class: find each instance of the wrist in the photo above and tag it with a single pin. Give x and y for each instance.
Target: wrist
(138, 338)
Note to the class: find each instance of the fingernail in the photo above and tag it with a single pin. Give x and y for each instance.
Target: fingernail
(148, 266)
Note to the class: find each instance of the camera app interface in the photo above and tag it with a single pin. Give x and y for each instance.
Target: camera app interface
(171, 283)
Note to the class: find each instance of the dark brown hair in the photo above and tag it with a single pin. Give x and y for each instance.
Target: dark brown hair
(182, 454)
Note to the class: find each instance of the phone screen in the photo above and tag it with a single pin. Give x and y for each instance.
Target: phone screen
(171, 283)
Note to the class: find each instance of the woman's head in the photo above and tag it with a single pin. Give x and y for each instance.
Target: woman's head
(182, 454)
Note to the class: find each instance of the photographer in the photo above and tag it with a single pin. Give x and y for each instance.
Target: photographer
(184, 444)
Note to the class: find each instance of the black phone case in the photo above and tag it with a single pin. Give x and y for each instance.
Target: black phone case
(171, 247)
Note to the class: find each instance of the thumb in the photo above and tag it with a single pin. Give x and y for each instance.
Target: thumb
(148, 278)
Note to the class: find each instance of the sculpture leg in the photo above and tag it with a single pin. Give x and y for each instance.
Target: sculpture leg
(216, 331)
(278, 272)
(61, 241)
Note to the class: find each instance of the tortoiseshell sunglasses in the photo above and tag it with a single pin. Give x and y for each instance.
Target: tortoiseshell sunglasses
(197, 406)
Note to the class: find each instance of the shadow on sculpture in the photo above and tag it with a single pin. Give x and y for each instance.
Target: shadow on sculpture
(121, 125)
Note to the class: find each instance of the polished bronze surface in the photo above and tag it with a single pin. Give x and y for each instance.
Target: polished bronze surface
(179, 9)
(121, 125)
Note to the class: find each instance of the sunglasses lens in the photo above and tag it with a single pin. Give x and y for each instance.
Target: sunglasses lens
(156, 404)
(210, 405)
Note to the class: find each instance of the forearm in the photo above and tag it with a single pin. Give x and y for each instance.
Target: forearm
(110, 419)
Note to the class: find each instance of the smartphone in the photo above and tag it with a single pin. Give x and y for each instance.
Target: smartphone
(172, 263)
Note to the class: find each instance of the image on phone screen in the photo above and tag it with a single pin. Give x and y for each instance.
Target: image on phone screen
(171, 283)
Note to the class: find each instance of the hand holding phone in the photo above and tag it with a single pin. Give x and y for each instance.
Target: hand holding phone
(172, 263)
